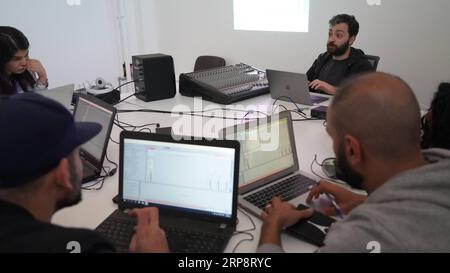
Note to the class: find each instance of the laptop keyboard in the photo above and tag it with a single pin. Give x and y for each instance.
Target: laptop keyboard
(194, 242)
(318, 99)
(287, 189)
(120, 231)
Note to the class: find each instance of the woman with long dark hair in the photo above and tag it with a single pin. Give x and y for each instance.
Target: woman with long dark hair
(18, 73)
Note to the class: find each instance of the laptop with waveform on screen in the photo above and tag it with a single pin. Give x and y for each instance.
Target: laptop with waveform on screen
(269, 163)
(194, 184)
(269, 167)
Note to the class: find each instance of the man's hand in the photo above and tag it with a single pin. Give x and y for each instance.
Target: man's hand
(280, 215)
(35, 66)
(323, 86)
(148, 236)
(346, 200)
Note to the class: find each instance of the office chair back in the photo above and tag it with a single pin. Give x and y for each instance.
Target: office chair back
(208, 62)
(373, 60)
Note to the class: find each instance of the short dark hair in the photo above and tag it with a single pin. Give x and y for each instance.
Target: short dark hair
(350, 20)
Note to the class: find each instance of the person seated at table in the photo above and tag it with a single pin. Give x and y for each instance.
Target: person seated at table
(341, 60)
(40, 173)
(18, 73)
(436, 123)
(374, 122)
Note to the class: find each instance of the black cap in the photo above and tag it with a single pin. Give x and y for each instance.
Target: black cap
(36, 133)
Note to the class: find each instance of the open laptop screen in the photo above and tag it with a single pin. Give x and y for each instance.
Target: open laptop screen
(181, 176)
(61, 94)
(91, 110)
(267, 150)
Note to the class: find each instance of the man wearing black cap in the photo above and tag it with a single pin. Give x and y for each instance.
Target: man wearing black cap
(40, 173)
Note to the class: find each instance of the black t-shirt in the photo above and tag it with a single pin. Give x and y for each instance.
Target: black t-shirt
(333, 72)
(21, 232)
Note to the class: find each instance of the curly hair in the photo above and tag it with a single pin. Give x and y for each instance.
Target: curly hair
(436, 123)
(350, 20)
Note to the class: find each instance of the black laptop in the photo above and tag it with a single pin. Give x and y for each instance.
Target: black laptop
(91, 109)
(194, 183)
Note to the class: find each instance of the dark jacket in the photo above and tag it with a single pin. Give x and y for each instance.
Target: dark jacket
(357, 63)
(21, 232)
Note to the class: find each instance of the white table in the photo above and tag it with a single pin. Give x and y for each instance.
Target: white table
(311, 139)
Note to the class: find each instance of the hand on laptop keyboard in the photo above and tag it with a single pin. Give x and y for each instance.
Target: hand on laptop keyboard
(284, 214)
(148, 236)
(286, 190)
(278, 216)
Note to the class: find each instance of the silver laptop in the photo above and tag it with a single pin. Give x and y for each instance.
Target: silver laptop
(61, 94)
(268, 163)
(292, 87)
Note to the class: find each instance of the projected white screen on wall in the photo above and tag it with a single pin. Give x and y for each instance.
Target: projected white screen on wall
(271, 15)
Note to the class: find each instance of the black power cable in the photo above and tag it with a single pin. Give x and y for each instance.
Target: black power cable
(245, 232)
(300, 111)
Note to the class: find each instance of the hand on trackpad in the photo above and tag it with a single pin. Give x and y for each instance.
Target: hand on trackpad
(320, 203)
(313, 229)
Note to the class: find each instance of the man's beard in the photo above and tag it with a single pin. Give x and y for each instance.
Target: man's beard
(338, 51)
(345, 173)
(75, 179)
(70, 201)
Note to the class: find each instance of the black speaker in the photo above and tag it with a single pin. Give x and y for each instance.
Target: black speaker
(155, 77)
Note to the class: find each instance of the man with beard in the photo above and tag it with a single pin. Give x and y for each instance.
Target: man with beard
(374, 123)
(341, 60)
(40, 173)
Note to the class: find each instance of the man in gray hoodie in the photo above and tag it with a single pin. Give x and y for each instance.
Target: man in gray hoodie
(374, 124)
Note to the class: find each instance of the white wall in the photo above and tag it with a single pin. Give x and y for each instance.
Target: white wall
(412, 37)
(82, 42)
(75, 43)
(139, 35)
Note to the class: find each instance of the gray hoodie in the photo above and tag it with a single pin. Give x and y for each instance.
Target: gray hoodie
(409, 213)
